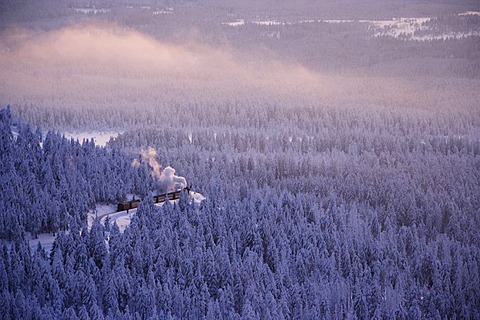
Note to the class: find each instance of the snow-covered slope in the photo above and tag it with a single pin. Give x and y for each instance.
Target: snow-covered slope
(122, 218)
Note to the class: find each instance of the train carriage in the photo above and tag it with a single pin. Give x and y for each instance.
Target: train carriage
(126, 205)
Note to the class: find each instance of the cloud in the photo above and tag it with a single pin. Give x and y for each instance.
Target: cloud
(103, 60)
(108, 66)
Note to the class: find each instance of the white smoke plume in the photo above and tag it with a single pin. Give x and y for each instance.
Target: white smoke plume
(150, 155)
(171, 182)
(166, 179)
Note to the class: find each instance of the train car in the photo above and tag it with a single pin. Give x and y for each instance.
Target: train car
(160, 198)
(126, 205)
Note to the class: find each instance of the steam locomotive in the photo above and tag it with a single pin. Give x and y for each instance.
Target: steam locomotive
(132, 204)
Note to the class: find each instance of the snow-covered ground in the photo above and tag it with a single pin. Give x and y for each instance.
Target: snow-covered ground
(45, 239)
(398, 28)
(100, 138)
(236, 23)
(470, 13)
(167, 10)
(406, 28)
(122, 218)
(91, 10)
(155, 11)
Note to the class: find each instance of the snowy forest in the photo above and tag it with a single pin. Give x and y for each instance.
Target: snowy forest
(337, 147)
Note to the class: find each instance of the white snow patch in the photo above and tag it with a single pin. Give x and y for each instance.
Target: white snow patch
(398, 28)
(236, 23)
(100, 211)
(100, 138)
(124, 218)
(269, 23)
(405, 28)
(336, 21)
(15, 132)
(45, 239)
(470, 13)
(90, 10)
(447, 36)
(165, 11)
(197, 197)
(242, 22)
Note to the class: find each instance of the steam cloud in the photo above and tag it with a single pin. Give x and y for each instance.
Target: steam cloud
(166, 179)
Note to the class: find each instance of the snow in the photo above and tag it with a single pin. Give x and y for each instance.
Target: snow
(100, 138)
(268, 23)
(197, 197)
(405, 28)
(15, 132)
(90, 10)
(161, 12)
(398, 28)
(236, 23)
(124, 218)
(336, 21)
(242, 22)
(167, 10)
(394, 28)
(45, 239)
(446, 36)
(470, 13)
(100, 211)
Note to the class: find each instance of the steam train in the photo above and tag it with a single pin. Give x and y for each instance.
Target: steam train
(132, 204)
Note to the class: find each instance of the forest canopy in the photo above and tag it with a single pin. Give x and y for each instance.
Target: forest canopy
(337, 145)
